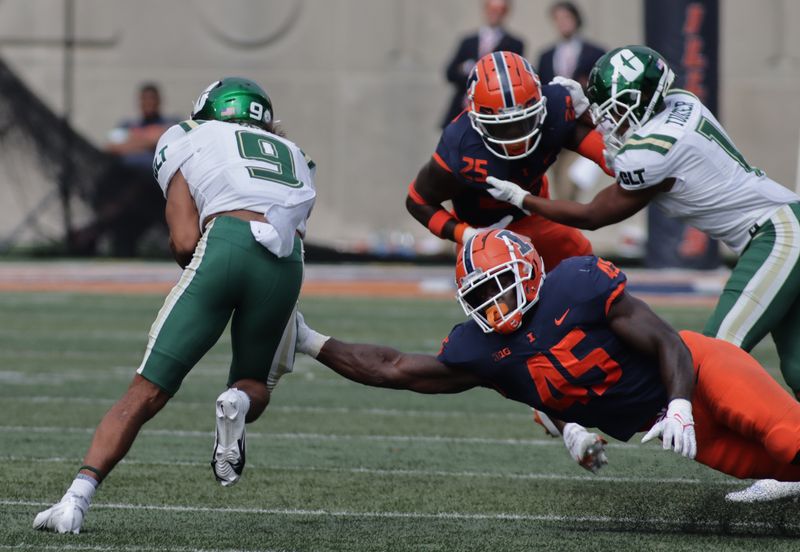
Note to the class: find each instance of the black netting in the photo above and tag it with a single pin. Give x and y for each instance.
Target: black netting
(29, 126)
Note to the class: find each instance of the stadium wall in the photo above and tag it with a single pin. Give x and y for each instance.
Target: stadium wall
(358, 83)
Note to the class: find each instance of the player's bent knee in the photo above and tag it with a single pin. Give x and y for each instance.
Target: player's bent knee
(147, 396)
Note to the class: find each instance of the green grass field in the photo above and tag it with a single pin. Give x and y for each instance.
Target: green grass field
(332, 465)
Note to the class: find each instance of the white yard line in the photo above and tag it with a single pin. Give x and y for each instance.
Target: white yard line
(499, 516)
(460, 414)
(413, 473)
(324, 437)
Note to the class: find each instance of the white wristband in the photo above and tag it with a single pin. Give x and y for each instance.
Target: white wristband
(313, 343)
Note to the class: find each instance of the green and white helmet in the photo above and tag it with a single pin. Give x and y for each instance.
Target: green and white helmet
(627, 85)
(234, 99)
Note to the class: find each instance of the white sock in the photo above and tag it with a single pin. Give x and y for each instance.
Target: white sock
(244, 400)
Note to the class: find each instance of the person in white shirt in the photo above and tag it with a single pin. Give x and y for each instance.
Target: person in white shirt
(572, 57)
(238, 195)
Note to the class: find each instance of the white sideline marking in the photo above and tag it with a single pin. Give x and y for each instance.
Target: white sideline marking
(504, 516)
(412, 473)
(522, 416)
(325, 437)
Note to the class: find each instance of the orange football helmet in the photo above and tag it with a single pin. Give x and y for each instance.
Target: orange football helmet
(498, 275)
(506, 106)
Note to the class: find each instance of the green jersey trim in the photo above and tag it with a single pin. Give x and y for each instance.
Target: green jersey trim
(660, 143)
(190, 124)
(681, 91)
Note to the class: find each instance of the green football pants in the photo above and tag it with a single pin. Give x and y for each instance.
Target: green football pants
(762, 294)
(230, 274)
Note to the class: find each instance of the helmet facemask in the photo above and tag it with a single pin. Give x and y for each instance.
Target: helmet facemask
(513, 134)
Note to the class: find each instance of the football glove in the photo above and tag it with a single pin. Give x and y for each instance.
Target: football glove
(503, 190)
(586, 448)
(579, 101)
(469, 231)
(67, 516)
(676, 429)
(309, 342)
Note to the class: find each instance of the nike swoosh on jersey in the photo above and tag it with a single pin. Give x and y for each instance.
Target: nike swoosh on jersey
(558, 321)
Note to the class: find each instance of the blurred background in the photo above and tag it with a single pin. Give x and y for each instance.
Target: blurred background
(360, 85)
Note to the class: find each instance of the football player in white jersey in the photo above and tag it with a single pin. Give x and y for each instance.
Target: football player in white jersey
(238, 196)
(667, 148)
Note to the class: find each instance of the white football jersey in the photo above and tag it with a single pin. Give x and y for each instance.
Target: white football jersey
(231, 167)
(715, 189)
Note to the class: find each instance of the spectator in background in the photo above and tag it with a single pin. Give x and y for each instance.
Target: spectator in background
(491, 37)
(571, 57)
(125, 202)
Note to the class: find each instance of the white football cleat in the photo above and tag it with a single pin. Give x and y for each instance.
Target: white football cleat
(765, 490)
(64, 517)
(229, 443)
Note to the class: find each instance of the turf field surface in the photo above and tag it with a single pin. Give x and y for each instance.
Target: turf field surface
(332, 465)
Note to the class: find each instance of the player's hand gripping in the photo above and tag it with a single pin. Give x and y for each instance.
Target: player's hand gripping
(676, 429)
(586, 448)
(470, 231)
(503, 190)
(579, 101)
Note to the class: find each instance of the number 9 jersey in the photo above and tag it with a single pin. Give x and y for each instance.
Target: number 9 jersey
(241, 167)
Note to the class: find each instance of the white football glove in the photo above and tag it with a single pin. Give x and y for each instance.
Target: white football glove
(503, 190)
(579, 101)
(309, 342)
(64, 517)
(586, 448)
(469, 231)
(676, 429)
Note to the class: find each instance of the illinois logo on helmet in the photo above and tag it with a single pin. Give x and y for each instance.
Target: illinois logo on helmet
(498, 274)
(506, 106)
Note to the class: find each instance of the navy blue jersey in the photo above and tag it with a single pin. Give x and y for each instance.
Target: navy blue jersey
(565, 360)
(462, 152)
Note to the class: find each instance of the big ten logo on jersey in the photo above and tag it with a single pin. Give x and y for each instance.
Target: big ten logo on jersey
(474, 169)
(632, 177)
(555, 389)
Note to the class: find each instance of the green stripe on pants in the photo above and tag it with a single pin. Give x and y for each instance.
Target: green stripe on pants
(762, 289)
(230, 274)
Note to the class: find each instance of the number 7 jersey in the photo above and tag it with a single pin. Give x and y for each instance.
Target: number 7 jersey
(715, 189)
(232, 167)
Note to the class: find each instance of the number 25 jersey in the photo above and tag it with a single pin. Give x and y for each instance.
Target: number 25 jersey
(232, 167)
(565, 360)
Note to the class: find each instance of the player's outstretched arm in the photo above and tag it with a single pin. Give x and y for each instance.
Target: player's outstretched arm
(609, 206)
(637, 325)
(380, 366)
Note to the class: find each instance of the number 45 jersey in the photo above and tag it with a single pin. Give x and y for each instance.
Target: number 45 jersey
(565, 360)
(715, 189)
(232, 167)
